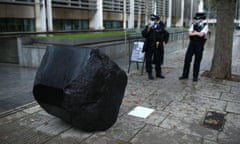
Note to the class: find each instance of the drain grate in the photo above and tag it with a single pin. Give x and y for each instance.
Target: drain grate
(214, 120)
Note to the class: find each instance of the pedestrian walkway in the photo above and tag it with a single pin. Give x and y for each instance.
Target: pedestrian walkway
(178, 117)
(15, 86)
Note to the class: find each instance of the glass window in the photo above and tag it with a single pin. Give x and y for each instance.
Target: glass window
(135, 24)
(28, 25)
(107, 25)
(26, 0)
(113, 24)
(70, 25)
(142, 24)
(67, 26)
(17, 25)
(116, 24)
(85, 3)
(3, 26)
(113, 5)
(14, 25)
(74, 3)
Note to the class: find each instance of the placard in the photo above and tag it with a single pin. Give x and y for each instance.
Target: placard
(137, 54)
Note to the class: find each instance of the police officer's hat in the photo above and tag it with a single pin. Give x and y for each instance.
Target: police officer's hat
(200, 15)
(153, 17)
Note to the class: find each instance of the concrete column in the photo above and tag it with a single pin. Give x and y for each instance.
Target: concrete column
(37, 16)
(238, 12)
(169, 19)
(200, 6)
(124, 14)
(191, 13)
(155, 7)
(49, 16)
(97, 21)
(43, 15)
(40, 16)
(139, 15)
(180, 22)
(131, 15)
(20, 54)
(147, 13)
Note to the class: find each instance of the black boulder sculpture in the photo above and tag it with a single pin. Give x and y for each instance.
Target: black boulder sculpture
(81, 86)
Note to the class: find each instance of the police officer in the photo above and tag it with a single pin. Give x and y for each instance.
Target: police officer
(197, 35)
(156, 38)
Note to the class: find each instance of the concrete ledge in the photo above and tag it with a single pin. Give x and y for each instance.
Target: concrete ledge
(28, 51)
(30, 55)
(74, 42)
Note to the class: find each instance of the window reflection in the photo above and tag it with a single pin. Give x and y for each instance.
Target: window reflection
(70, 25)
(17, 25)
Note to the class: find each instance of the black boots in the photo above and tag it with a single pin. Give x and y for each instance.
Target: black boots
(160, 76)
(183, 78)
(195, 79)
(150, 76)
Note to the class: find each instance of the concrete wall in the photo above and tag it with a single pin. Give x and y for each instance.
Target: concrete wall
(65, 13)
(28, 52)
(8, 50)
(31, 55)
(16, 11)
(112, 16)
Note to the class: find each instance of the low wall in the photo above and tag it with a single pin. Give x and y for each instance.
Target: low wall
(8, 50)
(28, 52)
(31, 55)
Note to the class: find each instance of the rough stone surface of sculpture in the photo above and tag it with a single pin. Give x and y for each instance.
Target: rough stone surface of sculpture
(81, 86)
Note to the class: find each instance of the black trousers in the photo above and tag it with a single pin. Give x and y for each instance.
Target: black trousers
(154, 56)
(195, 48)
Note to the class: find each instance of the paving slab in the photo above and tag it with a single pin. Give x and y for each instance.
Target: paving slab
(233, 107)
(156, 135)
(231, 97)
(231, 131)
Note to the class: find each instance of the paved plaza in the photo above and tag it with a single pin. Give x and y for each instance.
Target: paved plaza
(179, 108)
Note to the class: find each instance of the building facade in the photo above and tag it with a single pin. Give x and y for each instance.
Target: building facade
(77, 15)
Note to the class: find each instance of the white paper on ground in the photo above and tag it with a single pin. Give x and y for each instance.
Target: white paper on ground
(141, 112)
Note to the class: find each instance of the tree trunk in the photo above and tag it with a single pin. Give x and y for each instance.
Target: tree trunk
(222, 59)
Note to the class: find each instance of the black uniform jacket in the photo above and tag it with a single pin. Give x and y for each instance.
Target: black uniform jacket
(155, 34)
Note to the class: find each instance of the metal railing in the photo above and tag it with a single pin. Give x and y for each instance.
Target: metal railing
(177, 35)
(130, 34)
(173, 34)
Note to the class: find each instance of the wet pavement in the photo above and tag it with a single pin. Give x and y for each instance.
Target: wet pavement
(15, 86)
(180, 108)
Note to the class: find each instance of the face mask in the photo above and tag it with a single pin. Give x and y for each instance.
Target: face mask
(151, 22)
(197, 21)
